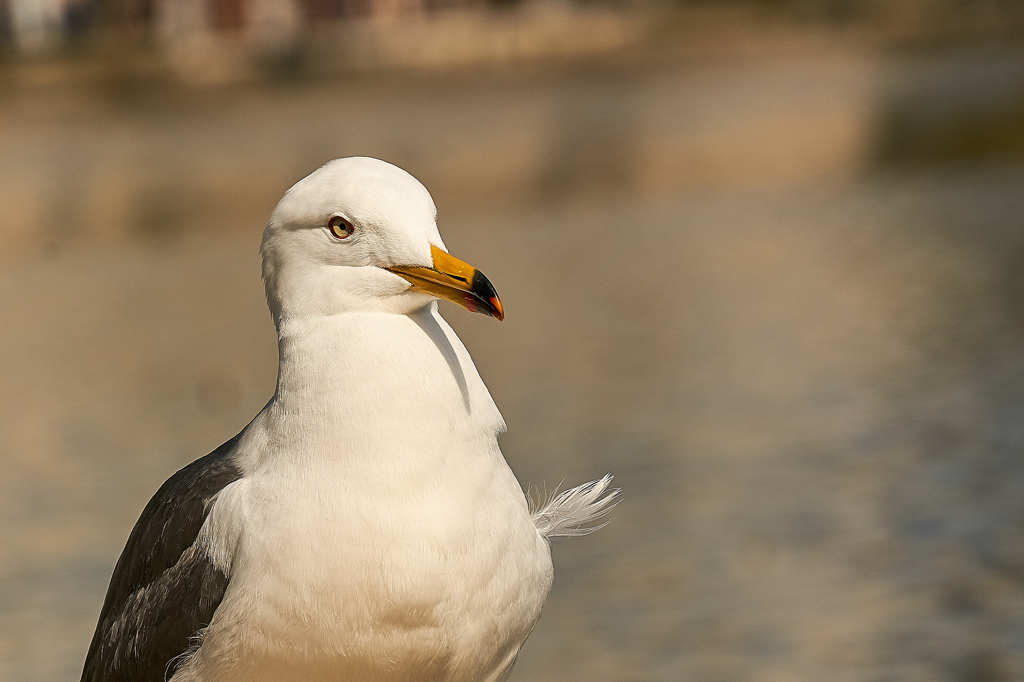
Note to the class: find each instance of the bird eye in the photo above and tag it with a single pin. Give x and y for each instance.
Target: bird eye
(340, 228)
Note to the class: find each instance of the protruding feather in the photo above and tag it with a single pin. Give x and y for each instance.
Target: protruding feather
(577, 511)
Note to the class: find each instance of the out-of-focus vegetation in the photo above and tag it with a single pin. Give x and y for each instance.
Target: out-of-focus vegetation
(762, 260)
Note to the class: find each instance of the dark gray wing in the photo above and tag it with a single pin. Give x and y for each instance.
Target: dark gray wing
(163, 589)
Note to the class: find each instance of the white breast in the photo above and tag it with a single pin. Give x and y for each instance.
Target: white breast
(381, 535)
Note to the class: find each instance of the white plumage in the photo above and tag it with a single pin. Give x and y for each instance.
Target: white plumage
(376, 532)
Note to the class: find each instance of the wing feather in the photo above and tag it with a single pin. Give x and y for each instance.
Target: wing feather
(164, 589)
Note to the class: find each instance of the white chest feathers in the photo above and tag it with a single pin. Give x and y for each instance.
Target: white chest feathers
(423, 585)
(378, 547)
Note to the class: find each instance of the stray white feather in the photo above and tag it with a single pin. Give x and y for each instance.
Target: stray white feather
(577, 511)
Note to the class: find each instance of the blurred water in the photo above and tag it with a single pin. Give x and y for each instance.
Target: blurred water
(801, 364)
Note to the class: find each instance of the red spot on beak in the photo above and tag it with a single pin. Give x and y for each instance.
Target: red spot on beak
(499, 311)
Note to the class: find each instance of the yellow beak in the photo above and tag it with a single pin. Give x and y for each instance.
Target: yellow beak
(453, 280)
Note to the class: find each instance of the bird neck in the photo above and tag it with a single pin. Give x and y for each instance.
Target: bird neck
(378, 380)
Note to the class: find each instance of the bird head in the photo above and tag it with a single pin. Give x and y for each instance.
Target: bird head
(360, 235)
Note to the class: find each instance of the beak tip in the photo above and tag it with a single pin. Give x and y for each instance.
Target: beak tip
(499, 310)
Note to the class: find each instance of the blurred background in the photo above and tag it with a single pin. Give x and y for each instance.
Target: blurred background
(763, 260)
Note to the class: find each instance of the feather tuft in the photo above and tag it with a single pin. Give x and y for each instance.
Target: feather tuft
(577, 511)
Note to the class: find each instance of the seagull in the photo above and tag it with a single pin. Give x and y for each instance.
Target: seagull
(364, 525)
